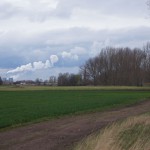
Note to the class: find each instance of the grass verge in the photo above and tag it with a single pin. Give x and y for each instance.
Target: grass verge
(131, 134)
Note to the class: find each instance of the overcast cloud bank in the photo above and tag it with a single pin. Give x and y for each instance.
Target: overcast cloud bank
(73, 31)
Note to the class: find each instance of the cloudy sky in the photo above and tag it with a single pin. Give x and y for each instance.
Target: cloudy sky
(40, 38)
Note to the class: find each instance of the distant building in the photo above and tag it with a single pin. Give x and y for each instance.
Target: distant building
(7, 80)
(11, 80)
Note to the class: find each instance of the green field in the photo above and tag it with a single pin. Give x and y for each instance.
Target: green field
(22, 106)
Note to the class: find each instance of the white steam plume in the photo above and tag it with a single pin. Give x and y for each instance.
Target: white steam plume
(36, 65)
(27, 67)
(53, 59)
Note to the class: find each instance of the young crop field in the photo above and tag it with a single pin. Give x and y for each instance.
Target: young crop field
(22, 106)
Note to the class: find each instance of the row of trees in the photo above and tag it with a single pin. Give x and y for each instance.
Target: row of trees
(118, 66)
(67, 79)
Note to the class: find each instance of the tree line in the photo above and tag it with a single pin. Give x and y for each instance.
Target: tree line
(113, 66)
(67, 79)
(118, 66)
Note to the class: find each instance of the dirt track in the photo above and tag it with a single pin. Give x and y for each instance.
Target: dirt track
(60, 134)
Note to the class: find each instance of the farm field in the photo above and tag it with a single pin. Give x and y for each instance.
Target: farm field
(34, 104)
(69, 130)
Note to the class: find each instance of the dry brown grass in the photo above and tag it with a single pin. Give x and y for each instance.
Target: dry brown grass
(109, 88)
(131, 134)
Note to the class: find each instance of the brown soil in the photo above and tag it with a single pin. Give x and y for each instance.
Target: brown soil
(61, 134)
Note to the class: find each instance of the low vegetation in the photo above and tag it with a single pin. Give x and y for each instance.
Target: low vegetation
(75, 88)
(131, 134)
(31, 104)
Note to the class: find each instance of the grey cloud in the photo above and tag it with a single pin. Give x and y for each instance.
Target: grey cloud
(7, 10)
(31, 9)
(43, 10)
(72, 36)
(10, 60)
(113, 7)
(83, 35)
(52, 42)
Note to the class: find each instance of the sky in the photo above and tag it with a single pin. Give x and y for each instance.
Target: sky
(41, 38)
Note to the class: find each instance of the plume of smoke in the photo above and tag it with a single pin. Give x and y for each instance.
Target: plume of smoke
(53, 59)
(40, 65)
(47, 64)
(27, 67)
(35, 65)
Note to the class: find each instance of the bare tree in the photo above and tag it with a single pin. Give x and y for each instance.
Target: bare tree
(1, 82)
(147, 62)
(117, 66)
(67, 79)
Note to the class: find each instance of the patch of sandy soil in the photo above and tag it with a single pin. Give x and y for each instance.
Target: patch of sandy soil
(61, 134)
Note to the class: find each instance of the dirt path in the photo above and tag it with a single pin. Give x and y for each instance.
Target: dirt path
(60, 134)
